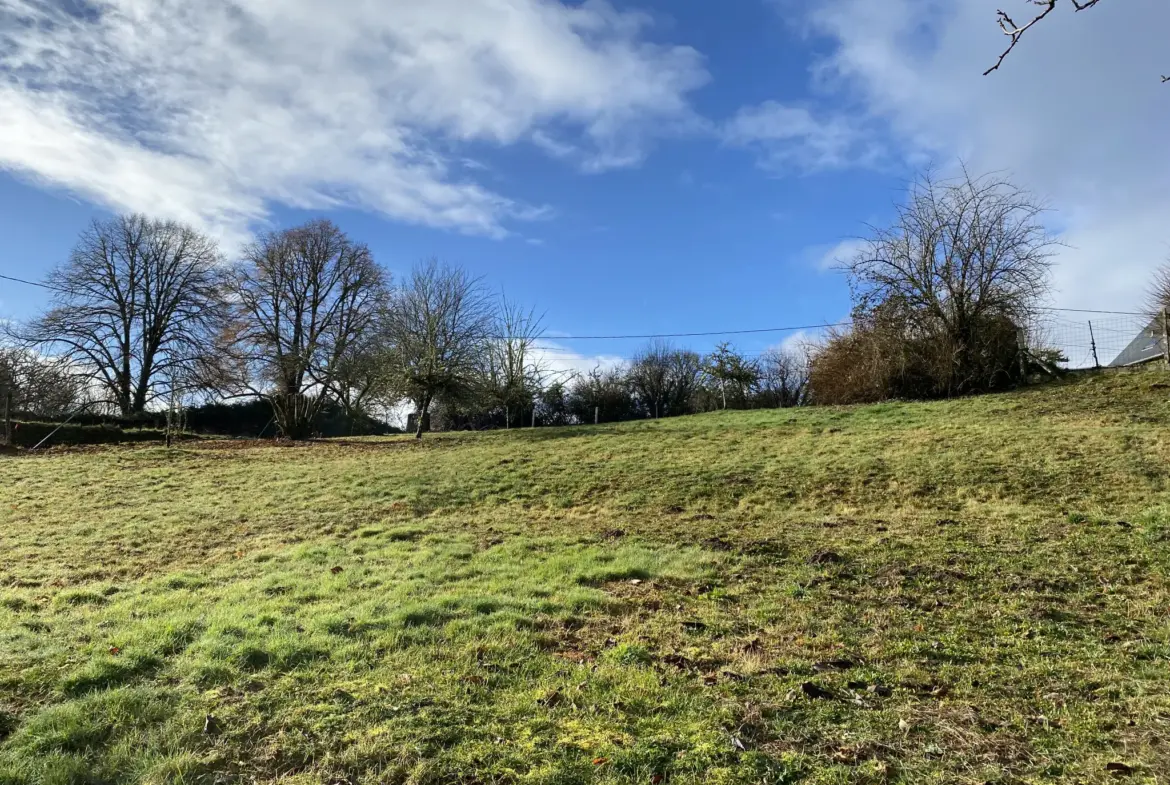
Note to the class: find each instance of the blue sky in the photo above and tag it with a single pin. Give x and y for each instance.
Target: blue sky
(625, 167)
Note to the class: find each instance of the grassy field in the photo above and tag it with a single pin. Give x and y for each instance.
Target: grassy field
(971, 591)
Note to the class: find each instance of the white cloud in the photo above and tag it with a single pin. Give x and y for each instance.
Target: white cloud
(828, 257)
(212, 111)
(1077, 114)
(563, 362)
(792, 138)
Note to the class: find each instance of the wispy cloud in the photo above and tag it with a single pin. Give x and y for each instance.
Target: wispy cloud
(827, 257)
(794, 139)
(211, 112)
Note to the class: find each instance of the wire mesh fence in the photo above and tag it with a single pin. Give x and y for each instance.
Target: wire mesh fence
(1101, 340)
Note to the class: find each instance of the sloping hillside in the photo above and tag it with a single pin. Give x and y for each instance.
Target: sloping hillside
(965, 591)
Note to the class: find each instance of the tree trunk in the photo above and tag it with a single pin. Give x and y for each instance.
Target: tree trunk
(422, 417)
(294, 416)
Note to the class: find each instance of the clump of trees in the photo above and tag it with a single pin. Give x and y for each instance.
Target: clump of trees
(942, 296)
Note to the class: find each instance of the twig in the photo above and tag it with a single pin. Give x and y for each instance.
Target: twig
(1016, 32)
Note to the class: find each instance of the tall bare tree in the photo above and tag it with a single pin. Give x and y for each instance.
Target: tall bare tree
(514, 370)
(961, 257)
(302, 298)
(439, 324)
(135, 307)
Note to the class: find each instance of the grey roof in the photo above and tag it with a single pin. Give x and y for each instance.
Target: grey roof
(1147, 346)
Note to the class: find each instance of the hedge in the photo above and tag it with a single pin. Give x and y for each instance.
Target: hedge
(29, 434)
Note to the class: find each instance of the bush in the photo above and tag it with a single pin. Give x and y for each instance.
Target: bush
(886, 355)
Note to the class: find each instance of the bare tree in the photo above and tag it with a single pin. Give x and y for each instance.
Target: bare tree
(303, 298)
(665, 379)
(962, 257)
(1015, 31)
(514, 371)
(135, 307)
(32, 385)
(439, 325)
(364, 382)
(1159, 298)
(728, 367)
(601, 394)
(783, 378)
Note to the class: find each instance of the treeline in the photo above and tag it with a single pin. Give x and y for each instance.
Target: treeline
(148, 317)
(660, 381)
(148, 322)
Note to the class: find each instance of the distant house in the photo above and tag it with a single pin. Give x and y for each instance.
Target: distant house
(1146, 347)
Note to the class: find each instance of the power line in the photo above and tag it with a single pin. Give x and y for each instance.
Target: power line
(708, 334)
(30, 283)
(695, 335)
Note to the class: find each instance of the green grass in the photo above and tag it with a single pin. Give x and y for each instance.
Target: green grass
(966, 591)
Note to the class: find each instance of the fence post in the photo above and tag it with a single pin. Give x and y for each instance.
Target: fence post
(1023, 352)
(596, 414)
(534, 416)
(7, 417)
(1166, 335)
(1093, 344)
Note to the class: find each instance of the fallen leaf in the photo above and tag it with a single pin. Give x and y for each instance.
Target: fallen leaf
(657, 779)
(1119, 769)
(635, 581)
(335, 570)
(114, 650)
(825, 557)
(600, 761)
(551, 700)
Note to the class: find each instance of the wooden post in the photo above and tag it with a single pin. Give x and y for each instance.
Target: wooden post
(596, 414)
(1166, 335)
(1023, 352)
(533, 415)
(1093, 343)
(7, 417)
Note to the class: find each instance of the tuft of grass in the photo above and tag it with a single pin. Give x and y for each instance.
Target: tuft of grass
(958, 591)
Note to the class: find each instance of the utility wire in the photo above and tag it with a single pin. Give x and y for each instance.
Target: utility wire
(709, 334)
(30, 283)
